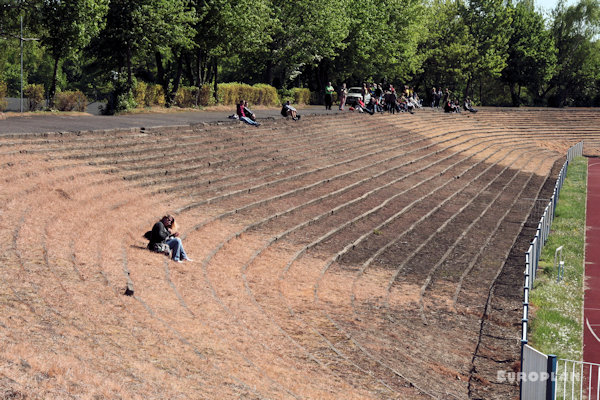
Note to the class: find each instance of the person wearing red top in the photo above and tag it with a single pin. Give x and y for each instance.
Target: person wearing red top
(241, 112)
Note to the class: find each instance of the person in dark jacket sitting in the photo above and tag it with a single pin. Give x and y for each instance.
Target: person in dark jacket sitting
(469, 106)
(288, 111)
(164, 232)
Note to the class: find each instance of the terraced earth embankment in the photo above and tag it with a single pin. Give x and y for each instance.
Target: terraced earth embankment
(340, 257)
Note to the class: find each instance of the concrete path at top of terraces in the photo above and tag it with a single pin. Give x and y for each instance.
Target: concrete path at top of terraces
(44, 123)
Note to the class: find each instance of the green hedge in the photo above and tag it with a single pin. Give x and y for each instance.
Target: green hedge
(186, 97)
(148, 94)
(205, 96)
(190, 96)
(3, 101)
(301, 95)
(259, 94)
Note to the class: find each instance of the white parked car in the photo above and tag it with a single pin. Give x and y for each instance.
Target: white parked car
(354, 94)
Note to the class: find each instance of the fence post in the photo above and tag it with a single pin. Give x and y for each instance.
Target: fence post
(551, 382)
(523, 343)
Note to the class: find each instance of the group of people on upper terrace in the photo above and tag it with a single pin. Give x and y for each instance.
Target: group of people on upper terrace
(374, 98)
(450, 104)
(371, 99)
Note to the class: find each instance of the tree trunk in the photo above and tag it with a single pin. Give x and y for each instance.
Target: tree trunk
(188, 67)
(52, 92)
(129, 73)
(469, 88)
(209, 71)
(177, 80)
(160, 71)
(514, 95)
(215, 94)
(269, 72)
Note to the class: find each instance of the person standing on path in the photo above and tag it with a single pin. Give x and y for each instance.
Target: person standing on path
(342, 96)
(328, 96)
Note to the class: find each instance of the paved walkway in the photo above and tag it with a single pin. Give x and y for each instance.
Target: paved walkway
(62, 123)
(591, 305)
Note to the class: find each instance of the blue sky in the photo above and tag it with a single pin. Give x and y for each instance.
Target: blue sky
(549, 5)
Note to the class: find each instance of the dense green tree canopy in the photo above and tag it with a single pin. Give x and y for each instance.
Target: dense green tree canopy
(575, 30)
(531, 61)
(498, 51)
(66, 27)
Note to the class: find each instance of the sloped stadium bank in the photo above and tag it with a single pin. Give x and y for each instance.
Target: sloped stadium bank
(345, 256)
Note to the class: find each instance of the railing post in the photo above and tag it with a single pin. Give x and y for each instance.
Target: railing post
(523, 343)
(551, 382)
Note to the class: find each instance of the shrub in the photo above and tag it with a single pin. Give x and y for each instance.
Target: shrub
(139, 93)
(205, 96)
(148, 94)
(229, 93)
(186, 96)
(70, 101)
(267, 95)
(224, 93)
(259, 94)
(3, 101)
(155, 95)
(35, 95)
(286, 95)
(122, 98)
(301, 95)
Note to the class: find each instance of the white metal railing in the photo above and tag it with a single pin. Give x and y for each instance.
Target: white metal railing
(577, 380)
(575, 151)
(532, 258)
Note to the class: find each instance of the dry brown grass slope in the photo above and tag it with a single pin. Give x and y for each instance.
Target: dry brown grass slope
(345, 257)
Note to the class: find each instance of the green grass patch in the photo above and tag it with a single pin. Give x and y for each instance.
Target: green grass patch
(556, 308)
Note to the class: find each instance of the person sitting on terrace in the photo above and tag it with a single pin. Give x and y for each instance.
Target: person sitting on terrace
(247, 111)
(245, 114)
(288, 111)
(368, 108)
(241, 112)
(164, 238)
(469, 106)
(456, 106)
(449, 106)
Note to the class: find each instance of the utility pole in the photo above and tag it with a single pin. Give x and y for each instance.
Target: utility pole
(22, 39)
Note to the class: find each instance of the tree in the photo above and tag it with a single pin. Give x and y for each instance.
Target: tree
(11, 14)
(170, 34)
(489, 23)
(302, 34)
(449, 51)
(575, 29)
(228, 29)
(532, 58)
(67, 27)
(139, 33)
